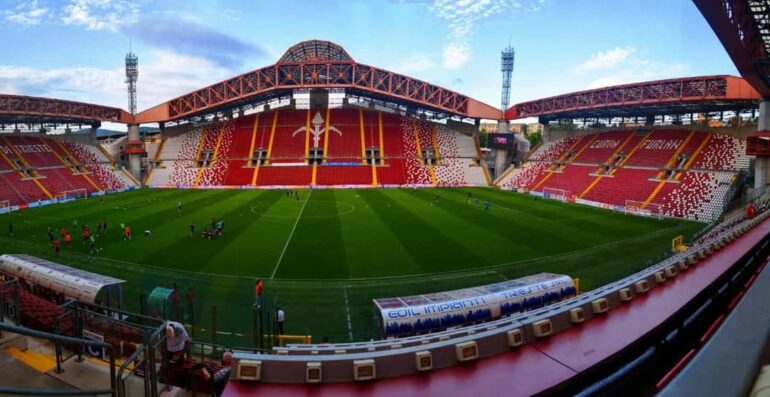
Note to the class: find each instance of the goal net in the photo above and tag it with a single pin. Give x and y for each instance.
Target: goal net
(555, 194)
(638, 208)
(73, 194)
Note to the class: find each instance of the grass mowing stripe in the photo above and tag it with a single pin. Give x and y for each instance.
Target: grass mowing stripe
(280, 258)
(385, 240)
(318, 249)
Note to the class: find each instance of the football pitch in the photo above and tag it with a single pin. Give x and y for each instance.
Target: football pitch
(325, 254)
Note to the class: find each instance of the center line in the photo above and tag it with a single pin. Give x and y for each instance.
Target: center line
(347, 308)
(280, 258)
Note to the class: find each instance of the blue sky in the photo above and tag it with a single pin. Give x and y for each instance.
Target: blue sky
(74, 49)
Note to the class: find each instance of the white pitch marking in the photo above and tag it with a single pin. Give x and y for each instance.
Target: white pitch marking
(347, 309)
(280, 258)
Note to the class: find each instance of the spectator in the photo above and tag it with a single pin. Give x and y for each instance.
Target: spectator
(177, 341)
(219, 378)
(281, 316)
(190, 298)
(175, 300)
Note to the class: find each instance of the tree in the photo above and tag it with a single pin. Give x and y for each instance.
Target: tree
(483, 138)
(534, 138)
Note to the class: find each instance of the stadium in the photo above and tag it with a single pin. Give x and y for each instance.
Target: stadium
(327, 227)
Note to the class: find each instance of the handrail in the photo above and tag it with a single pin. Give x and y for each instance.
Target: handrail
(64, 340)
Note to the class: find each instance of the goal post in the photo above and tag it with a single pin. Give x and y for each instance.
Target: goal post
(555, 194)
(73, 194)
(638, 208)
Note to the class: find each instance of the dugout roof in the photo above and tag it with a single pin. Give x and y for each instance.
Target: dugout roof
(79, 284)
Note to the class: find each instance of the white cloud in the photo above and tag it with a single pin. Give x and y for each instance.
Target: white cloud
(606, 59)
(416, 63)
(462, 16)
(455, 55)
(166, 76)
(101, 14)
(26, 13)
(638, 70)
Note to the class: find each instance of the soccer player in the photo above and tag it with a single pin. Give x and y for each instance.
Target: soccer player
(192, 229)
(127, 233)
(92, 246)
(67, 239)
(486, 205)
(179, 207)
(56, 246)
(10, 229)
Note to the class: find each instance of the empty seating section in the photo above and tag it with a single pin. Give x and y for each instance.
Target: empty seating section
(290, 137)
(285, 175)
(658, 148)
(572, 178)
(216, 170)
(699, 196)
(415, 171)
(525, 177)
(54, 167)
(342, 135)
(103, 172)
(553, 150)
(624, 184)
(701, 174)
(692, 145)
(724, 153)
(600, 150)
(344, 175)
(20, 190)
(183, 169)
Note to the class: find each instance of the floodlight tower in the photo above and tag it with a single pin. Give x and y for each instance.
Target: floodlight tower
(132, 75)
(503, 154)
(134, 148)
(506, 66)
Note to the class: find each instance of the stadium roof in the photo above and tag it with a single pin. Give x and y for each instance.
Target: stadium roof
(26, 109)
(317, 64)
(663, 97)
(743, 27)
(315, 51)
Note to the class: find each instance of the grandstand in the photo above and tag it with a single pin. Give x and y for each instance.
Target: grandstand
(345, 186)
(686, 173)
(344, 147)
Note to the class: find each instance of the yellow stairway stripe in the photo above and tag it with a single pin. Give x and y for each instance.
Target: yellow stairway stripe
(653, 194)
(251, 151)
(272, 135)
(363, 135)
(591, 186)
(638, 145)
(307, 138)
(38, 362)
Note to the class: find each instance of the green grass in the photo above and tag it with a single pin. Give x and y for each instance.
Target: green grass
(325, 256)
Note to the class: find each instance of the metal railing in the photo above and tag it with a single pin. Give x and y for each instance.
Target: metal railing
(62, 340)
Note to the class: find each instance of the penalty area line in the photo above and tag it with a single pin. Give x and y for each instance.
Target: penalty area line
(296, 222)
